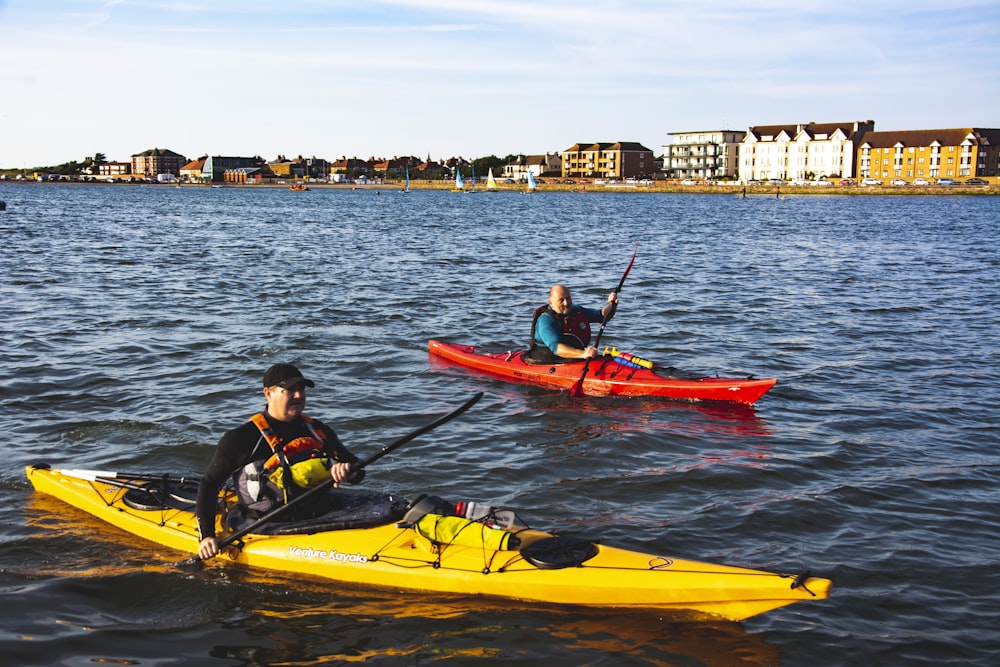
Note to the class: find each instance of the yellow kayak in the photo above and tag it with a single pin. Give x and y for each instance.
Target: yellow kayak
(377, 539)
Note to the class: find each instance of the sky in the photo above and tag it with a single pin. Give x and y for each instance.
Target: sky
(473, 78)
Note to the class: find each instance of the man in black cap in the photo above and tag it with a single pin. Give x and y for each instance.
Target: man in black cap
(276, 455)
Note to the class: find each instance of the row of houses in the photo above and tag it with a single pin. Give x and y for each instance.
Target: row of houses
(826, 150)
(794, 151)
(242, 170)
(612, 160)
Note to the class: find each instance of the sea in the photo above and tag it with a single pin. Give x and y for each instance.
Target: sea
(138, 321)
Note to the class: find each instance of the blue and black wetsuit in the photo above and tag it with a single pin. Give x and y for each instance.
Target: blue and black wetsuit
(549, 328)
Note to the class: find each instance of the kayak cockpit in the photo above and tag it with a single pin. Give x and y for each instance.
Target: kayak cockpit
(347, 510)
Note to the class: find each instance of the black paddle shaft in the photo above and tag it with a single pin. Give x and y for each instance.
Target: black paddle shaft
(578, 387)
(316, 490)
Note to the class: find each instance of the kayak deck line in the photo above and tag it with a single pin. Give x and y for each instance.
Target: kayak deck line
(610, 377)
(396, 554)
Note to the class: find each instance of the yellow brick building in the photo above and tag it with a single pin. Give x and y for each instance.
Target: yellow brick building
(956, 153)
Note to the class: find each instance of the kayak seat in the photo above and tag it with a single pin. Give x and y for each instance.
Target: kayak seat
(542, 356)
(349, 510)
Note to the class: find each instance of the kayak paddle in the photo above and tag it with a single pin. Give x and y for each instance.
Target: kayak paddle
(105, 475)
(577, 389)
(316, 490)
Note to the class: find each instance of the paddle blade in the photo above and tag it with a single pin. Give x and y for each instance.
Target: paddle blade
(577, 389)
(189, 562)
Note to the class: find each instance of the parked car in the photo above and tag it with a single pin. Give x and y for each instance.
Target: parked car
(871, 181)
(821, 181)
(947, 181)
(799, 181)
(977, 181)
(753, 181)
(847, 181)
(776, 181)
(689, 181)
(921, 181)
(898, 182)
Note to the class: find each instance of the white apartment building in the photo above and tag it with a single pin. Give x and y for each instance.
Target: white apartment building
(708, 155)
(810, 151)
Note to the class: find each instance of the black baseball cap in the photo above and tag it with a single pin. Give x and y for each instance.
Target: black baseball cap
(285, 375)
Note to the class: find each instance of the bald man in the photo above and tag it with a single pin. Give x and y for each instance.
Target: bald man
(560, 332)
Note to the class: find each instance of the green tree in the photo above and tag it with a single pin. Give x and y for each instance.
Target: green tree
(482, 164)
(71, 168)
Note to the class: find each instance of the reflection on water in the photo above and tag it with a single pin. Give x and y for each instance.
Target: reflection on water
(623, 414)
(469, 627)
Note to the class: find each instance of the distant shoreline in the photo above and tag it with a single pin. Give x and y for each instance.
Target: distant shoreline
(734, 190)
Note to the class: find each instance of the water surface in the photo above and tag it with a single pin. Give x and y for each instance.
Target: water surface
(138, 322)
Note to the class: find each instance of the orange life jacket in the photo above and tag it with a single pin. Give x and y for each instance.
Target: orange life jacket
(294, 451)
(294, 467)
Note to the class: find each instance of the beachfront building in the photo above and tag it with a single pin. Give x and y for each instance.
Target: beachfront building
(988, 153)
(282, 167)
(459, 164)
(216, 166)
(395, 167)
(950, 153)
(346, 169)
(247, 175)
(114, 169)
(428, 170)
(708, 155)
(299, 167)
(620, 160)
(155, 161)
(538, 165)
(810, 151)
(314, 167)
(191, 172)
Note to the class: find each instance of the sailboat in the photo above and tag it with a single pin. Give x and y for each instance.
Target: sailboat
(491, 183)
(459, 183)
(532, 186)
(472, 181)
(406, 188)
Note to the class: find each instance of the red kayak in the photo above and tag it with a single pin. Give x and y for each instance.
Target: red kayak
(605, 376)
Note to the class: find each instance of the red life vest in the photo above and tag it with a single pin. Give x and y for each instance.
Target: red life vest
(574, 327)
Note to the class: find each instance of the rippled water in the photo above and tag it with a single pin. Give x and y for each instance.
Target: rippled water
(138, 320)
